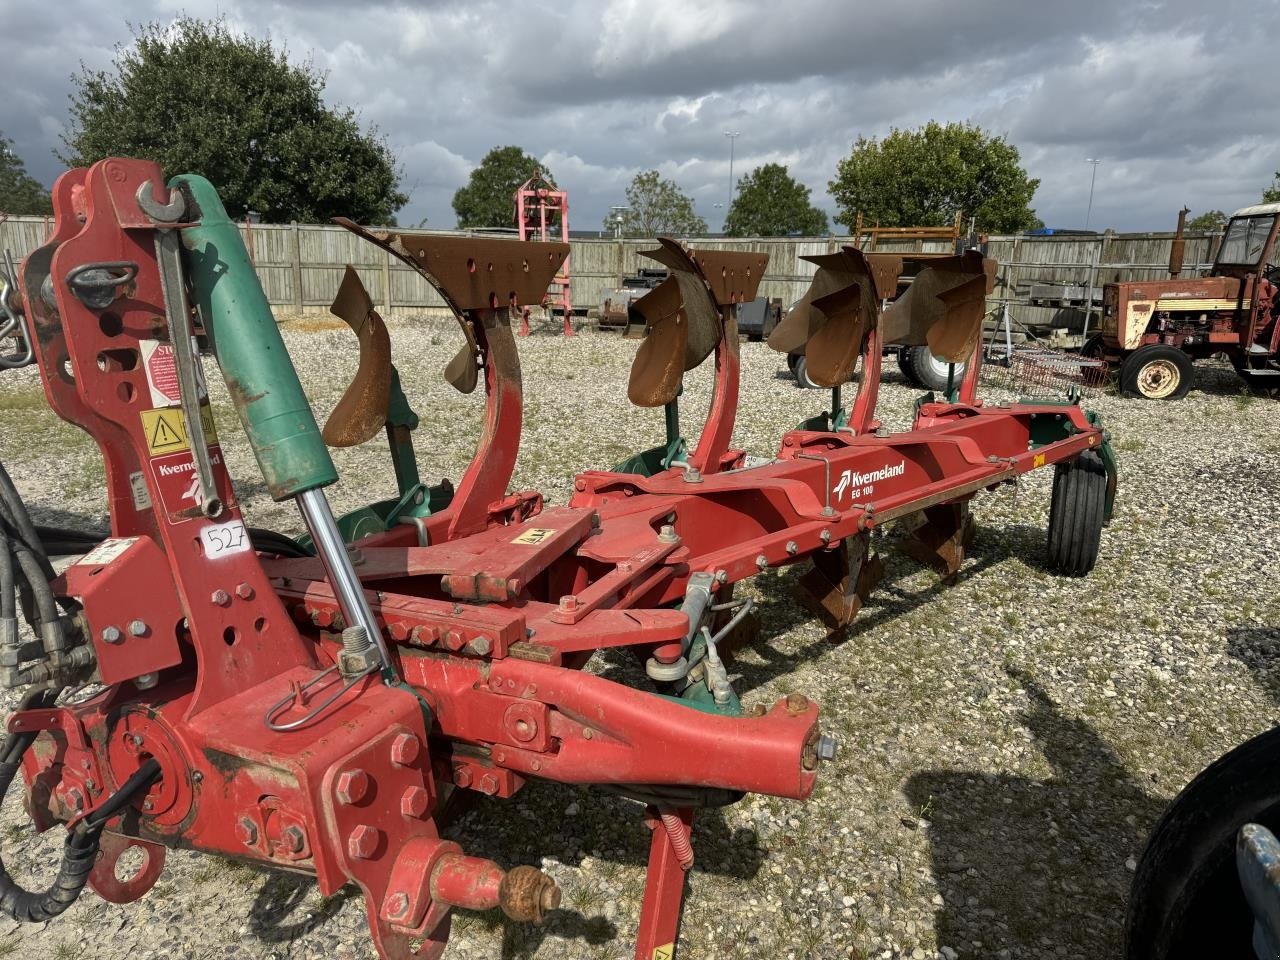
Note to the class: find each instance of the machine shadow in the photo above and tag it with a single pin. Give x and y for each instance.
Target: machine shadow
(282, 896)
(1258, 648)
(781, 611)
(1021, 864)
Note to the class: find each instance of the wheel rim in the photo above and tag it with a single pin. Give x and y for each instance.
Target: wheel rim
(939, 369)
(1159, 379)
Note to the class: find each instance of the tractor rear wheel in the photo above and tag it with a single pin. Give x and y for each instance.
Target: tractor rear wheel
(1076, 513)
(924, 370)
(1157, 372)
(1186, 901)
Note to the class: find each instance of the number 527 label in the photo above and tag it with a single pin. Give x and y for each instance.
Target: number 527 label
(225, 539)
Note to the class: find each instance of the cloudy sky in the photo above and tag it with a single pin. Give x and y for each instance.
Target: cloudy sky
(1176, 97)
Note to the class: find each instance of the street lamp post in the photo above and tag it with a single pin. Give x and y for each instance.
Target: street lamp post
(1092, 179)
(732, 135)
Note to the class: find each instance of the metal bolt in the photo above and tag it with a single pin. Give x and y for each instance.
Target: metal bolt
(667, 534)
(414, 802)
(462, 776)
(137, 628)
(112, 635)
(196, 776)
(404, 749)
(247, 831)
(147, 681)
(762, 562)
(826, 748)
(797, 703)
(244, 591)
(722, 576)
(568, 604)
(397, 904)
(791, 547)
(453, 640)
(489, 784)
(362, 844)
(480, 646)
(293, 838)
(352, 786)
(825, 536)
(221, 598)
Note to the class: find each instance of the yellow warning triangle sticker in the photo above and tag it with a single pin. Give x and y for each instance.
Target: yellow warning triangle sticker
(164, 435)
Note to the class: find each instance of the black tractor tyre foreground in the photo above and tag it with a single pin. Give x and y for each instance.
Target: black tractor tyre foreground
(1076, 514)
(926, 371)
(1157, 372)
(1186, 901)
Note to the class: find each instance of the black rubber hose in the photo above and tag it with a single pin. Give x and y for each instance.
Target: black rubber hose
(21, 520)
(8, 606)
(31, 576)
(79, 852)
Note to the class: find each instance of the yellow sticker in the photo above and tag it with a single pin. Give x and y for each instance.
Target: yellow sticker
(664, 952)
(1037, 460)
(534, 535)
(167, 432)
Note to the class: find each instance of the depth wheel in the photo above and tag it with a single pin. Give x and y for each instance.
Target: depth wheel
(1156, 372)
(1076, 514)
(926, 371)
(1186, 900)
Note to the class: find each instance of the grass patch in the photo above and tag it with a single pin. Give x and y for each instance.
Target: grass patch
(27, 398)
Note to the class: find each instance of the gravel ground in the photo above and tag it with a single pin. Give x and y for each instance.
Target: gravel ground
(1006, 742)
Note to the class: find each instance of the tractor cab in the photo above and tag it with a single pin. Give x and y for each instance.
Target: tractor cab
(1249, 253)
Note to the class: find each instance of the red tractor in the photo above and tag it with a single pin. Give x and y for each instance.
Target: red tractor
(1156, 329)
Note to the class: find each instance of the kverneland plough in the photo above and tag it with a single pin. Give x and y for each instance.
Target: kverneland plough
(316, 704)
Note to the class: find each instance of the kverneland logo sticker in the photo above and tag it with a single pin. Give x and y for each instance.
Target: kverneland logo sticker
(862, 484)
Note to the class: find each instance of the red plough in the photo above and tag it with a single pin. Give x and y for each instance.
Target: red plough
(317, 705)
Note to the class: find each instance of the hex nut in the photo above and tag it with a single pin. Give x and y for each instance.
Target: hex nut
(352, 786)
(293, 839)
(405, 748)
(221, 598)
(362, 844)
(246, 831)
(414, 803)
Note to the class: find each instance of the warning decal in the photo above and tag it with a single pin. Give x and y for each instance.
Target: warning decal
(1037, 460)
(664, 952)
(534, 535)
(162, 372)
(167, 432)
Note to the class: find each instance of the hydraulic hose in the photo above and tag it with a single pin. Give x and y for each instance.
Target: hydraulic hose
(79, 852)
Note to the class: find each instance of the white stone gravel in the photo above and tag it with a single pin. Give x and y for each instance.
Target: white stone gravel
(1005, 742)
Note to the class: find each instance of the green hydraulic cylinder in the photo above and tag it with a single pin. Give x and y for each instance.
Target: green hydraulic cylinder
(260, 376)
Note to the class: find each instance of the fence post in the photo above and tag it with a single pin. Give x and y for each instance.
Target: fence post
(297, 265)
(386, 282)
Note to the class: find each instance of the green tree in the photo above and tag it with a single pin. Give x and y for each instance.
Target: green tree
(20, 193)
(1207, 222)
(925, 177)
(195, 97)
(657, 207)
(488, 199)
(1272, 193)
(771, 203)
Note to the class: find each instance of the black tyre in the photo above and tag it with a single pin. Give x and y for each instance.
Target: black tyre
(801, 370)
(1186, 900)
(1076, 514)
(1157, 372)
(925, 370)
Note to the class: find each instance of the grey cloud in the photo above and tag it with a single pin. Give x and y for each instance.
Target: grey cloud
(1172, 95)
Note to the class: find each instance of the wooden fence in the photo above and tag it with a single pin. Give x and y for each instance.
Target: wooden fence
(300, 265)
